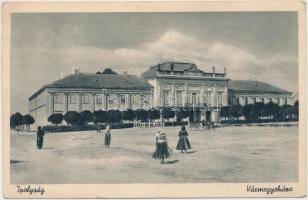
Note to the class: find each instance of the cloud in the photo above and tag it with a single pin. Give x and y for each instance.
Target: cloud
(279, 69)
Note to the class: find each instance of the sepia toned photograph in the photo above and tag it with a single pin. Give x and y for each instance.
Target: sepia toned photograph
(129, 97)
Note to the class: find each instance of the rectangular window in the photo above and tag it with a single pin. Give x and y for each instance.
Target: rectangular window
(179, 99)
(58, 99)
(278, 101)
(262, 100)
(246, 101)
(72, 99)
(123, 100)
(285, 101)
(85, 99)
(220, 98)
(254, 100)
(271, 100)
(208, 100)
(193, 98)
(237, 100)
(166, 98)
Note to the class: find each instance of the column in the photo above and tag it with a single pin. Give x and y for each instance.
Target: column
(201, 98)
(151, 100)
(225, 97)
(52, 103)
(65, 103)
(185, 99)
(213, 102)
(79, 105)
(129, 101)
(141, 101)
(173, 103)
(158, 95)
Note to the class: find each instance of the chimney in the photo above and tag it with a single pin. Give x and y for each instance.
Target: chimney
(225, 71)
(75, 70)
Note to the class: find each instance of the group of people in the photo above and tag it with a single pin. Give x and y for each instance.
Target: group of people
(162, 150)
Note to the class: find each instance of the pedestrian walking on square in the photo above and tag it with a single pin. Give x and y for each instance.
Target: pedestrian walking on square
(107, 136)
(162, 149)
(39, 138)
(98, 129)
(155, 154)
(183, 143)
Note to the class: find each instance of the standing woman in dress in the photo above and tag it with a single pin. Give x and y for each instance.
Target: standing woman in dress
(39, 137)
(183, 143)
(162, 150)
(156, 154)
(107, 136)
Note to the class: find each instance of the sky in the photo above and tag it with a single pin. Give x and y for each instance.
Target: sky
(251, 45)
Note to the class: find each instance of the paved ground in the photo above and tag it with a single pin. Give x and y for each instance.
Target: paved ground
(227, 154)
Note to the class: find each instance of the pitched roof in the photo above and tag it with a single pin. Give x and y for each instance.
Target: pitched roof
(256, 87)
(99, 81)
(175, 66)
(169, 66)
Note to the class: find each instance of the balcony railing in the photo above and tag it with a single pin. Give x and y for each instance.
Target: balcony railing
(180, 74)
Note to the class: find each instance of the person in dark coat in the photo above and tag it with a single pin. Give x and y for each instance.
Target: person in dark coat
(183, 143)
(39, 138)
(162, 149)
(98, 129)
(107, 136)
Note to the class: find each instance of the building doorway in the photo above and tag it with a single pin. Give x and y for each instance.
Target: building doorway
(208, 115)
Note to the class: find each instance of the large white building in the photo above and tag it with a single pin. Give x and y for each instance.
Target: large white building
(250, 91)
(178, 84)
(167, 84)
(82, 91)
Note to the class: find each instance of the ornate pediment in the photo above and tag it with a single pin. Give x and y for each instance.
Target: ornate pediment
(193, 68)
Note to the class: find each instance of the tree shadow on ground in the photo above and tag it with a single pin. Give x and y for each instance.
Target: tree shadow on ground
(171, 162)
(16, 161)
(191, 151)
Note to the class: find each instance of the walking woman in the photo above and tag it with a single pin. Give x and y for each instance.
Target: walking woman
(156, 154)
(39, 138)
(183, 143)
(162, 150)
(107, 136)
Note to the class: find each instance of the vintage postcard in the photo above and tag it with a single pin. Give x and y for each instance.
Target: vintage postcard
(154, 99)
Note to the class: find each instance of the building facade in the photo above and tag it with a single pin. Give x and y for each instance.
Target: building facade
(179, 84)
(79, 92)
(245, 92)
(167, 84)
